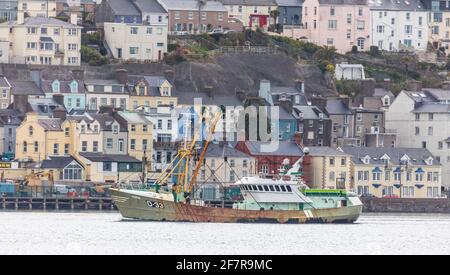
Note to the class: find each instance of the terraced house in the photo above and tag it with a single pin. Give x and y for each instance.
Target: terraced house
(252, 13)
(134, 30)
(150, 92)
(395, 172)
(40, 40)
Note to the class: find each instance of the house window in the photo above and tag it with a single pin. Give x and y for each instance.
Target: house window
(144, 144)
(30, 130)
(265, 169)
(84, 146)
(133, 128)
(332, 24)
(144, 128)
(66, 148)
(73, 172)
(169, 124)
(95, 146)
(109, 143)
(56, 86)
(120, 145)
(36, 147)
(134, 30)
(107, 166)
(56, 149)
(134, 50)
(133, 144)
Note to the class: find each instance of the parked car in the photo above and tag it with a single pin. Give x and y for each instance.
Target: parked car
(228, 31)
(61, 189)
(367, 195)
(216, 30)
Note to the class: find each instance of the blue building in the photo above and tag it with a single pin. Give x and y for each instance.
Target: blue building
(73, 91)
(290, 13)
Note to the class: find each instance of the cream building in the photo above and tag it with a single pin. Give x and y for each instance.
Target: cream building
(327, 168)
(37, 8)
(395, 172)
(39, 40)
(252, 13)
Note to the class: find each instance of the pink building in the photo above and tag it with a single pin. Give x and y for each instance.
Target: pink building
(338, 23)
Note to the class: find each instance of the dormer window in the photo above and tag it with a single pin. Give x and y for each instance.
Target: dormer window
(405, 159)
(386, 101)
(165, 91)
(366, 160)
(56, 86)
(142, 90)
(429, 161)
(74, 87)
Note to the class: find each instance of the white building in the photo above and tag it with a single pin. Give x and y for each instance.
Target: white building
(349, 72)
(422, 120)
(399, 25)
(37, 8)
(40, 40)
(144, 38)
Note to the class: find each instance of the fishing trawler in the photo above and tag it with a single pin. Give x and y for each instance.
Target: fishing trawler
(284, 199)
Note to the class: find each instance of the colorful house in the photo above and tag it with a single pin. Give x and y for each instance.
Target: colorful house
(72, 90)
(150, 92)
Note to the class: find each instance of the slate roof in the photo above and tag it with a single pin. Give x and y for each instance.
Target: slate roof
(123, 7)
(250, 2)
(417, 155)
(309, 112)
(432, 108)
(221, 150)
(50, 124)
(337, 107)
(439, 94)
(192, 5)
(187, 98)
(381, 92)
(41, 21)
(343, 2)
(400, 5)
(289, 3)
(4, 82)
(325, 151)
(64, 86)
(284, 148)
(99, 157)
(420, 97)
(134, 117)
(25, 88)
(149, 6)
(57, 162)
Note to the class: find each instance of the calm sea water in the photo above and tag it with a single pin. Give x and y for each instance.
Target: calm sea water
(107, 233)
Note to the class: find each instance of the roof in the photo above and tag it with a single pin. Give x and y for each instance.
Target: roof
(289, 3)
(250, 2)
(280, 148)
(102, 82)
(149, 6)
(134, 117)
(439, 94)
(432, 108)
(64, 86)
(42, 21)
(308, 112)
(50, 124)
(57, 162)
(223, 150)
(192, 5)
(25, 88)
(99, 157)
(106, 121)
(343, 2)
(381, 92)
(43, 105)
(346, 65)
(337, 107)
(325, 151)
(400, 5)
(123, 7)
(419, 97)
(417, 155)
(187, 98)
(4, 82)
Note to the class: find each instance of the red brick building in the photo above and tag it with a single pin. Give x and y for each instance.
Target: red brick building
(269, 159)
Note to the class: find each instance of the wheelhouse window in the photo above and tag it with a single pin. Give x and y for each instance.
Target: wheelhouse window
(277, 188)
(283, 188)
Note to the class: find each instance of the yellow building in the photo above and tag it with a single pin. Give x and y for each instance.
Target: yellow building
(440, 31)
(395, 172)
(37, 8)
(327, 168)
(37, 138)
(140, 134)
(254, 14)
(151, 91)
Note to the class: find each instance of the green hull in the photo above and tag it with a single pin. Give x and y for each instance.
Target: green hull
(143, 206)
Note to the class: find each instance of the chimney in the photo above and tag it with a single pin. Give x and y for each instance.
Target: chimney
(209, 91)
(20, 17)
(446, 85)
(240, 94)
(170, 76)
(319, 102)
(73, 18)
(386, 84)
(297, 138)
(287, 105)
(21, 103)
(300, 86)
(60, 113)
(59, 99)
(414, 86)
(122, 76)
(78, 74)
(107, 110)
(264, 89)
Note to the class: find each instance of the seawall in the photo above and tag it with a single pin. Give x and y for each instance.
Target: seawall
(404, 205)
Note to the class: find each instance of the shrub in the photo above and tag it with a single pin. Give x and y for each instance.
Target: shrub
(92, 57)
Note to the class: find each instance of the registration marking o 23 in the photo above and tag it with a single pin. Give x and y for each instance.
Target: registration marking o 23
(153, 204)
